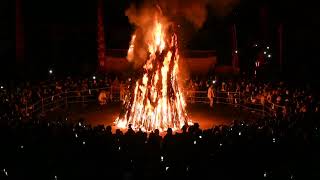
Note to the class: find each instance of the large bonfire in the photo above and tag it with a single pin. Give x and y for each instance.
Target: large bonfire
(157, 101)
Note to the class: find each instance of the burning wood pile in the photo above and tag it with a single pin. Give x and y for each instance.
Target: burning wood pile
(157, 101)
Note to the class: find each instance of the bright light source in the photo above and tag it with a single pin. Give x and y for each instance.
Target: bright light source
(1, 87)
(93, 77)
(50, 71)
(83, 142)
(264, 52)
(161, 158)
(273, 140)
(200, 137)
(5, 172)
(239, 133)
(255, 45)
(269, 55)
(236, 51)
(194, 142)
(167, 168)
(268, 47)
(214, 81)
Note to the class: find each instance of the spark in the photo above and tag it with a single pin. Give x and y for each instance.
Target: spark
(5, 172)
(265, 174)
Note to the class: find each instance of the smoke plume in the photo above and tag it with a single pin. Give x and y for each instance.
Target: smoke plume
(194, 11)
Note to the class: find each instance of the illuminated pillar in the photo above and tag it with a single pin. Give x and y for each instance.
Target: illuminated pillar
(101, 37)
(264, 24)
(235, 57)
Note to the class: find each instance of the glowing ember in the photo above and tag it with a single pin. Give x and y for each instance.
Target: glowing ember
(157, 101)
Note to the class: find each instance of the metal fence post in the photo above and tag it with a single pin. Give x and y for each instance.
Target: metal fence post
(42, 107)
(82, 100)
(26, 107)
(263, 110)
(66, 100)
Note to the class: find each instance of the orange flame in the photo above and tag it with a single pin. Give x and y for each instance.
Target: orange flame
(157, 101)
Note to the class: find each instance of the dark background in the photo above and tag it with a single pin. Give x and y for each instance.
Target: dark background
(61, 34)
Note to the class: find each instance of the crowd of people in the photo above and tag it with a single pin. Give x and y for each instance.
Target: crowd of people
(21, 98)
(278, 99)
(264, 149)
(272, 147)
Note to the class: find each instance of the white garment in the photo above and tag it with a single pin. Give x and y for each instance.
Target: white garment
(210, 92)
(211, 101)
(210, 95)
(102, 97)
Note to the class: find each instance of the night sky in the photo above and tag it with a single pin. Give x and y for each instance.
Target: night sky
(62, 34)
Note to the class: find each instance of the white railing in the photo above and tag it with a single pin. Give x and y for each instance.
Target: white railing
(91, 95)
(230, 98)
(64, 99)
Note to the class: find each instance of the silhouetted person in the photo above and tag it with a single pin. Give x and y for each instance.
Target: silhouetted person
(168, 143)
(108, 130)
(130, 130)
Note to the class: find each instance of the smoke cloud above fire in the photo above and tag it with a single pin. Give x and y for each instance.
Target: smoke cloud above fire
(143, 18)
(194, 11)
